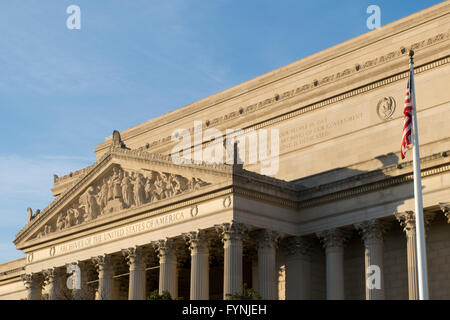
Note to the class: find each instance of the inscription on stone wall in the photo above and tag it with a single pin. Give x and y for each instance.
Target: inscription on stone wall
(307, 133)
(122, 232)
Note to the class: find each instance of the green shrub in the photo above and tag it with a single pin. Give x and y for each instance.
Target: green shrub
(154, 295)
(245, 294)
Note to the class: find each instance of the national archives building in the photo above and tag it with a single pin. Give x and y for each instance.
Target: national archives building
(315, 204)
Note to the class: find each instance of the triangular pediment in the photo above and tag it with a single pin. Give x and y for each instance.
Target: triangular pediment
(122, 180)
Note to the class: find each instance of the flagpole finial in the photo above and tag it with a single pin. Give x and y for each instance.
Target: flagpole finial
(411, 53)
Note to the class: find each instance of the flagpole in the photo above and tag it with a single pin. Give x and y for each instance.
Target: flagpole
(422, 272)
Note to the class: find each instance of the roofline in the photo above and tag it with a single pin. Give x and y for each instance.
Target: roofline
(312, 61)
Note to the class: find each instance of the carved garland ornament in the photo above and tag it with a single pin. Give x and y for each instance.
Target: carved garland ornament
(118, 191)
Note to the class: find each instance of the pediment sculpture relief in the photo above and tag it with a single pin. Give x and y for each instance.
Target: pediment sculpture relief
(118, 191)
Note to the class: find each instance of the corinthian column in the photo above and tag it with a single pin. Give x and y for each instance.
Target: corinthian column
(372, 234)
(105, 271)
(137, 282)
(168, 277)
(298, 268)
(55, 280)
(198, 245)
(232, 236)
(33, 282)
(333, 241)
(267, 272)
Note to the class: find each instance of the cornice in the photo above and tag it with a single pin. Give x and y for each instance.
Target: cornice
(385, 181)
(166, 161)
(264, 197)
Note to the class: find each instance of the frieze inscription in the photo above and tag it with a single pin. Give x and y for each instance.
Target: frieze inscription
(122, 232)
(314, 131)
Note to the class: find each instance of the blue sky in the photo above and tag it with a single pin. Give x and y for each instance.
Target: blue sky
(63, 91)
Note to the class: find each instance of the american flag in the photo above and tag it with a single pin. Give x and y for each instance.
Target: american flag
(407, 122)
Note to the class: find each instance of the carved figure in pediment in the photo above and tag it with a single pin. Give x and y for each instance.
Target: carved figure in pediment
(127, 190)
(46, 230)
(110, 189)
(193, 184)
(103, 194)
(77, 216)
(149, 189)
(158, 189)
(69, 219)
(61, 222)
(166, 186)
(175, 182)
(117, 181)
(139, 190)
(88, 203)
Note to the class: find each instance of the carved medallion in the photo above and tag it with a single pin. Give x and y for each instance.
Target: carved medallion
(386, 108)
(227, 202)
(194, 211)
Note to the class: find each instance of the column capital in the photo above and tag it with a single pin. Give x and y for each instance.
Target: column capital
(164, 246)
(407, 220)
(445, 207)
(32, 280)
(196, 240)
(372, 230)
(267, 238)
(102, 262)
(50, 274)
(296, 246)
(231, 231)
(334, 237)
(134, 255)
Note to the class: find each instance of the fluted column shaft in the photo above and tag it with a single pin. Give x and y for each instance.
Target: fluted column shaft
(267, 271)
(372, 234)
(105, 271)
(407, 221)
(168, 275)
(232, 236)
(199, 265)
(33, 282)
(298, 268)
(138, 280)
(333, 241)
(255, 274)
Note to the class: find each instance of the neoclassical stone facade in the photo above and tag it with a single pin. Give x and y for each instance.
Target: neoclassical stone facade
(337, 211)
